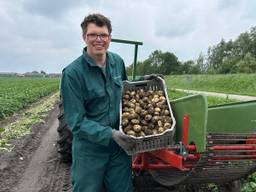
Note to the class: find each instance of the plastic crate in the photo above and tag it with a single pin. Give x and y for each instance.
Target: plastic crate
(150, 142)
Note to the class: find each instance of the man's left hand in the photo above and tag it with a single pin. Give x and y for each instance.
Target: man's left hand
(153, 77)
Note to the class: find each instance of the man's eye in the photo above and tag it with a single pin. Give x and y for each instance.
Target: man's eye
(104, 35)
(93, 35)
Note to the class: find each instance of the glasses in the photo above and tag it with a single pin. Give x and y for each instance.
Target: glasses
(94, 36)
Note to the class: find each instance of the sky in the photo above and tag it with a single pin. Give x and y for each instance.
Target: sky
(46, 35)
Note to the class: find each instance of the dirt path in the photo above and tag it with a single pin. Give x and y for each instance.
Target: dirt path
(224, 95)
(33, 165)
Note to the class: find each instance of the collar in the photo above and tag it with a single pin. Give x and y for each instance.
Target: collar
(90, 61)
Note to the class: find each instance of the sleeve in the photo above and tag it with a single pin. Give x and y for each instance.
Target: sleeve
(124, 75)
(75, 113)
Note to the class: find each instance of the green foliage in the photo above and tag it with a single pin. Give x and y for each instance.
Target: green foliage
(242, 84)
(212, 101)
(22, 126)
(238, 56)
(17, 93)
(249, 185)
(158, 62)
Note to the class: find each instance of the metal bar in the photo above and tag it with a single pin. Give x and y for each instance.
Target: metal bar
(136, 43)
(185, 130)
(228, 147)
(135, 62)
(170, 157)
(126, 41)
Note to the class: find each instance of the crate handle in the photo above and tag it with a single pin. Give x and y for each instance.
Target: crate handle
(141, 85)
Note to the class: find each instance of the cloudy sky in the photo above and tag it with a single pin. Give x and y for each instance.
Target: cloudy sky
(46, 35)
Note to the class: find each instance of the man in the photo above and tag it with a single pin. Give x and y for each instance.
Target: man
(91, 89)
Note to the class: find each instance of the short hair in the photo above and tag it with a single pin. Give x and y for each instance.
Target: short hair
(97, 19)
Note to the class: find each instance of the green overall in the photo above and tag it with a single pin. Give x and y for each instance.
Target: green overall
(91, 99)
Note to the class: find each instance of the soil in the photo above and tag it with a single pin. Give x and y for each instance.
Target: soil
(33, 165)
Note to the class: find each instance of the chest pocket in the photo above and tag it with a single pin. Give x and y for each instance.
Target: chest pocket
(96, 102)
(96, 93)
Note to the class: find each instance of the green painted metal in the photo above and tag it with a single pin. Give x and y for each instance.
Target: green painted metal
(232, 118)
(135, 62)
(195, 107)
(136, 43)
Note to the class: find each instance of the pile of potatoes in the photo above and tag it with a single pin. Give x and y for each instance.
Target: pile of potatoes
(145, 113)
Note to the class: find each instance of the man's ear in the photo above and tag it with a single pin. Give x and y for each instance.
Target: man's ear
(84, 37)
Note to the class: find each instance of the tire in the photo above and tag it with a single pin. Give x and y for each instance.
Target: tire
(144, 182)
(234, 186)
(65, 138)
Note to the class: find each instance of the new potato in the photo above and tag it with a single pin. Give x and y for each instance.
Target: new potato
(145, 113)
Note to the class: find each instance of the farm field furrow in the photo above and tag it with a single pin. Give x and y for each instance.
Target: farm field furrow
(17, 93)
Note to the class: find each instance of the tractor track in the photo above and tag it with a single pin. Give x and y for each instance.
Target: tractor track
(34, 164)
(60, 179)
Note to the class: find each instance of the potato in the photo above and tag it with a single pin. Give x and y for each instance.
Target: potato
(148, 117)
(135, 121)
(125, 122)
(145, 112)
(131, 132)
(137, 128)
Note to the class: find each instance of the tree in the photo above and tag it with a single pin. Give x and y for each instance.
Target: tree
(42, 72)
(247, 64)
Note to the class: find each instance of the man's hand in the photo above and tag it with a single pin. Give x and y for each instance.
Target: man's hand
(153, 77)
(124, 141)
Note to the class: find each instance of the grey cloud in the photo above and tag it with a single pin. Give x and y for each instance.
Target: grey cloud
(173, 26)
(46, 34)
(226, 4)
(52, 9)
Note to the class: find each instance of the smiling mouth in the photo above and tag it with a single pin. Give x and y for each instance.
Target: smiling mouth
(99, 47)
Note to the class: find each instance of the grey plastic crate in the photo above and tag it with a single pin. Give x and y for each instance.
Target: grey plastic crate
(150, 142)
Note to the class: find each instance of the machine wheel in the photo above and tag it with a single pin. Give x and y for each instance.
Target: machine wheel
(234, 186)
(144, 182)
(65, 138)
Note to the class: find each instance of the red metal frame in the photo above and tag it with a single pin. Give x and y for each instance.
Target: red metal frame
(169, 158)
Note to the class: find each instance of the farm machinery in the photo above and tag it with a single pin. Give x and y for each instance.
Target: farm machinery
(214, 145)
(210, 145)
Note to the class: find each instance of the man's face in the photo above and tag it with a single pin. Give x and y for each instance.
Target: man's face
(97, 39)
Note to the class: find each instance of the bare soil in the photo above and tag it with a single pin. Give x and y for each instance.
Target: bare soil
(33, 165)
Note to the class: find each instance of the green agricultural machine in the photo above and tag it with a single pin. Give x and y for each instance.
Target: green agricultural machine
(211, 145)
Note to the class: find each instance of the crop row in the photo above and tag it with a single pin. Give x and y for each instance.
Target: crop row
(17, 93)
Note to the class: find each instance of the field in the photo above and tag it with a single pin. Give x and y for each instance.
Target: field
(20, 93)
(241, 84)
(17, 93)
(212, 101)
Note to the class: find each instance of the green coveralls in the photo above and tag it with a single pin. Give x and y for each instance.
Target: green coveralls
(91, 99)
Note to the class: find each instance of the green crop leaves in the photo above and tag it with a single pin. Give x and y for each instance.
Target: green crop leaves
(17, 93)
(23, 125)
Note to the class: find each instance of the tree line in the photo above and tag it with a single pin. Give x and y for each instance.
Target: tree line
(233, 56)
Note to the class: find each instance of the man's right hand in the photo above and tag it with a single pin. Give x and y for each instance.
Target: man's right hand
(124, 141)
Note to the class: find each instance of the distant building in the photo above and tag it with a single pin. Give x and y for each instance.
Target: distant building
(54, 75)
